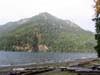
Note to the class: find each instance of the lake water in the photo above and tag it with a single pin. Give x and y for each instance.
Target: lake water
(16, 58)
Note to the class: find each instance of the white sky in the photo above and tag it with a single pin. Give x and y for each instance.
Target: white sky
(79, 11)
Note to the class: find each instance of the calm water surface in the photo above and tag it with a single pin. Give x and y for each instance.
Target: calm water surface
(16, 58)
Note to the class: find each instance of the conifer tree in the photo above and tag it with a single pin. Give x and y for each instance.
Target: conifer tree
(97, 25)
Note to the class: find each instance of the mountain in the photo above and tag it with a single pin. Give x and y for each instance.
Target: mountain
(54, 35)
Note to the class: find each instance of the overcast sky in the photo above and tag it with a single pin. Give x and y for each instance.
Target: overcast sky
(79, 11)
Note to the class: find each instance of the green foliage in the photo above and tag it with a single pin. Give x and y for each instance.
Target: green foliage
(97, 36)
(58, 35)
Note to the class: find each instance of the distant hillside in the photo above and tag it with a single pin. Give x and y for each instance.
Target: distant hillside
(55, 35)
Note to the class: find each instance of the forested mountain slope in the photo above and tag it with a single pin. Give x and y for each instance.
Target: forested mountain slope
(56, 34)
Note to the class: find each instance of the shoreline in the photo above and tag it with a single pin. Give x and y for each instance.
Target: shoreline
(67, 63)
(48, 62)
(43, 68)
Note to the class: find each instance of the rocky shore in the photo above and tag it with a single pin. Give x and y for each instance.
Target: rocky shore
(45, 68)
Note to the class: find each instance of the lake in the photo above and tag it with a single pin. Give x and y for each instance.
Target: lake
(19, 58)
